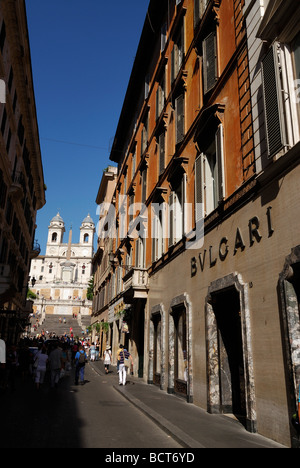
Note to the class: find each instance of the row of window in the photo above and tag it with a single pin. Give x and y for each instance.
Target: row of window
(177, 96)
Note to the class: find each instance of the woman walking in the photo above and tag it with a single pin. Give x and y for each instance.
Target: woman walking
(107, 359)
(41, 367)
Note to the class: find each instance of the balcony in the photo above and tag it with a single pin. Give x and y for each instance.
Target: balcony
(5, 279)
(136, 284)
(36, 250)
(16, 189)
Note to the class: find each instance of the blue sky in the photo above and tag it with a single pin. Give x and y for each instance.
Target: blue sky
(82, 55)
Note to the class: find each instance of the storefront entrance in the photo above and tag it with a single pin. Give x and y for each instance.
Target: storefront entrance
(289, 289)
(229, 351)
(226, 306)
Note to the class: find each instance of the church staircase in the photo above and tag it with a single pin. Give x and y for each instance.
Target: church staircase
(51, 324)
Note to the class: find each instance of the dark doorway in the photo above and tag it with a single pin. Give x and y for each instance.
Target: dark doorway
(138, 333)
(227, 309)
(180, 351)
(157, 350)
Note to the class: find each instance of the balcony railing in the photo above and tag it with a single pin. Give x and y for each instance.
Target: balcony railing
(16, 189)
(5, 278)
(36, 250)
(136, 284)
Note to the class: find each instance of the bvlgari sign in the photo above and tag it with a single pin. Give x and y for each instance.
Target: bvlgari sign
(209, 257)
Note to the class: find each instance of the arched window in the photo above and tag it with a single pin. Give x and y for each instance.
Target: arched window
(54, 237)
(86, 238)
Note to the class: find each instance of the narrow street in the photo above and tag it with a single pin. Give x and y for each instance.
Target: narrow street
(91, 416)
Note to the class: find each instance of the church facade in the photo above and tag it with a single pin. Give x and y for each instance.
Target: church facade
(60, 277)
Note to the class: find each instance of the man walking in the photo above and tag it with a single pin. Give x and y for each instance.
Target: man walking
(80, 359)
(55, 361)
(124, 356)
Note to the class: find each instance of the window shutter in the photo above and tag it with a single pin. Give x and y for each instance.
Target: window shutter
(196, 12)
(172, 218)
(147, 86)
(276, 138)
(220, 162)
(161, 153)
(210, 62)
(179, 119)
(183, 204)
(137, 253)
(172, 65)
(163, 37)
(199, 188)
(144, 185)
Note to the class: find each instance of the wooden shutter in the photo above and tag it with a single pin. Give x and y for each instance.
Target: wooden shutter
(172, 216)
(163, 37)
(273, 101)
(173, 64)
(196, 12)
(183, 204)
(199, 188)
(220, 162)
(179, 119)
(161, 153)
(144, 185)
(210, 62)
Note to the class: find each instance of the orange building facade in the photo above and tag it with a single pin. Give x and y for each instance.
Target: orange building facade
(197, 225)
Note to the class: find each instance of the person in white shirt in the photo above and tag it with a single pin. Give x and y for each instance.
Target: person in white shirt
(2, 364)
(2, 352)
(41, 367)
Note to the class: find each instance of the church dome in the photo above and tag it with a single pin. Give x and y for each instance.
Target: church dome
(88, 220)
(57, 219)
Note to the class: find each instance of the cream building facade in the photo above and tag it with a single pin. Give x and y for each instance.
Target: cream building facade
(60, 277)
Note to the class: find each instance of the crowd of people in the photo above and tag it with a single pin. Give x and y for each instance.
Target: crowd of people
(51, 359)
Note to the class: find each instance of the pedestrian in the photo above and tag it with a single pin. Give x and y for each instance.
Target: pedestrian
(11, 366)
(41, 368)
(124, 356)
(118, 354)
(2, 364)
(2, 352)
(93, 352)
(80, 360)
(55, 360)
(97, 351)
(107, 358)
